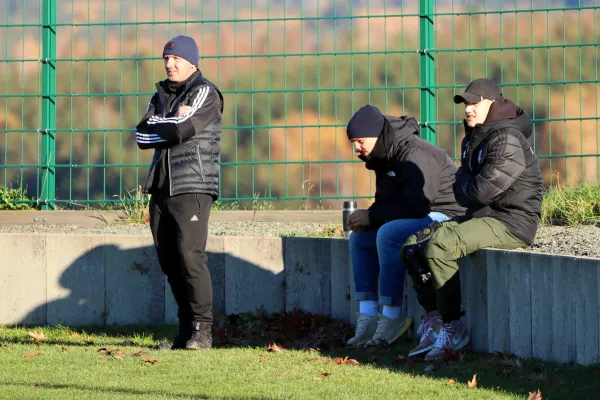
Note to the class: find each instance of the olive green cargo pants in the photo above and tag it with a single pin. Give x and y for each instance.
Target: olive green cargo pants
(452, 241)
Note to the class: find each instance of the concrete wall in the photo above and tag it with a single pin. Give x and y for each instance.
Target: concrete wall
(531, 305)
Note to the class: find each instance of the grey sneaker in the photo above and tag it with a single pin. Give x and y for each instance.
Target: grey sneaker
(453, 336)
(429, 329)
(389, 330)
(365, 329)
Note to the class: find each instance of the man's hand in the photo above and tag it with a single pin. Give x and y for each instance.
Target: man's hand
(359, 220)
(182, 110)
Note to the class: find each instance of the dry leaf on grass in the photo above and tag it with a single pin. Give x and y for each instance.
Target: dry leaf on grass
(325, 374)
(37, 385)
(472, 383)
(346, 361)
(450, 381)
(275, 348)
(104, 352)
(284, 374)
(3, 346)
(37, 336)
(535, 396)
(149, 361)
(32, 354)
(64, 349)
(140, 353)
(75, 335)
(263, 357)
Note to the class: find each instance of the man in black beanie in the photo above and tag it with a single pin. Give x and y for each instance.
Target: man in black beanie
(413, 187)
(183, 126)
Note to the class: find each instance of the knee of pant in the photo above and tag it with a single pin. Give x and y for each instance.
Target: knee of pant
(383, 235)
(442, 245)
(355, 239)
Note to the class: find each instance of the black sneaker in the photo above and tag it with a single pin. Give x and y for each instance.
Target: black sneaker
(184, 332)
(201, 338)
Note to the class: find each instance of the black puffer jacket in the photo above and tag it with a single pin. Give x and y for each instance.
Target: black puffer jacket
(413, 177)
(500, 176)
(187, 148)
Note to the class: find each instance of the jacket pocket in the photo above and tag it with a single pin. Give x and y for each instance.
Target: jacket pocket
(200, 163)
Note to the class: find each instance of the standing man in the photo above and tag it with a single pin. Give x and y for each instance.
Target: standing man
(413, 187)
(183, 126)
(500, 183)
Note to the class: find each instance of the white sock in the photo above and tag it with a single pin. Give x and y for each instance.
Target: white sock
(368, 307)
(391, 312)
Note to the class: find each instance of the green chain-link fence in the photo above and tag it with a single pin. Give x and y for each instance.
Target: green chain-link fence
(78, 75)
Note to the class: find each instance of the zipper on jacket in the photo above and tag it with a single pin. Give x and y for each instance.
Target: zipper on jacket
(201, 165)
(169, 172)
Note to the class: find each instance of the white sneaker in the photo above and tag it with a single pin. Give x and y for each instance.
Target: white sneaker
(429, 331)
(453, 336)
(389, 330)
(365, 328)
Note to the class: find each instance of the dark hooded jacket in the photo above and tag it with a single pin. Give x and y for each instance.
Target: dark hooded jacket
(500, 176)
(413, 177)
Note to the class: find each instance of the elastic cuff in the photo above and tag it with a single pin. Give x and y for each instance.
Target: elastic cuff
(452, 316)
(362, 296)
(389, 301)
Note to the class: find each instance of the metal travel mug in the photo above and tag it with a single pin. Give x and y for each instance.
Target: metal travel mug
(348, 208)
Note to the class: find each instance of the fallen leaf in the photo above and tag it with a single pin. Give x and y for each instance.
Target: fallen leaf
(284, 374)
(312, 358)
(89, 340)
(111, 353)
(326, 374)
(449, 356)
(263, 357)
(346, 361)
(276, 348)
(535, 396)
(150, 361)
(37, 336)
(472, 383)
(140, 353)
(64, 349)
(3, 346)
(75, 336)
(317, 379)
(37, 385)
(32, 354)
(450, 381)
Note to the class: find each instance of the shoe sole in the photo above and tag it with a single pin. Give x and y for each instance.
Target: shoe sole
(403, 330)
(461, 345)
(423, 350)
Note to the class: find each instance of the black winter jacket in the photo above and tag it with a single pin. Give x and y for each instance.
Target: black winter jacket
(412, 176)
(187, 148)
(500, 176)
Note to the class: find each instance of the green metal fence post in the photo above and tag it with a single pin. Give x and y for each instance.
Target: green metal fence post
(427, 65)
(48, 130)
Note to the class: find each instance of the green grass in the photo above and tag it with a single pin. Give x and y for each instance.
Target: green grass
(572, 205)
(16, 199)
(69, 364)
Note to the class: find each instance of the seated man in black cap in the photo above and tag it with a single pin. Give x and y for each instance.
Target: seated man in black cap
(413, 188)
(500, 184)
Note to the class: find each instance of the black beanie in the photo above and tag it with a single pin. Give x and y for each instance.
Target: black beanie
(184, 47)
(366, 122)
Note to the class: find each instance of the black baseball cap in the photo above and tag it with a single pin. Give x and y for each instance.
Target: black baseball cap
(482, 87)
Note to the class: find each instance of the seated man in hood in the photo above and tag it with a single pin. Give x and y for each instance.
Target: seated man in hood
(500, 183)
(413, 180)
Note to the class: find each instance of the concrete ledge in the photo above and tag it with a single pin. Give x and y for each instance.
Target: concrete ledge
(531, 305)
(102, 218)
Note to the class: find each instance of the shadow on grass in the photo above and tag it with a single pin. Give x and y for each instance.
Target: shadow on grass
(303, 332)
(128, 391)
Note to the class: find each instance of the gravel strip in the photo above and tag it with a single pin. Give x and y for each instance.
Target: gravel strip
(578, 241)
